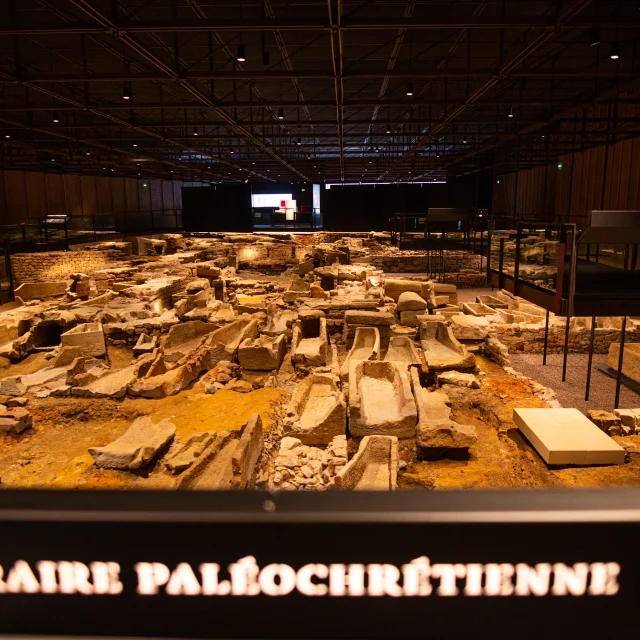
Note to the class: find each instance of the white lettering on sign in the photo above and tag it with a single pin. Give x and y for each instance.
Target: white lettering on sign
(246, 577)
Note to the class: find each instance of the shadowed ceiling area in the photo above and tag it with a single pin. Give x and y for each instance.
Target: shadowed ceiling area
(277, 90)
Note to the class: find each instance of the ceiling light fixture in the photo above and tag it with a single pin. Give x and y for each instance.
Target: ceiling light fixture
(280, 114)
(195, 131)
(231, 151)
(126, 92)
(464, 140)
(410, 88)
(56, 119)
(388, 128)
(135, 144)
(511, 112)
(615, 51)
(299, 141)
(241, 53)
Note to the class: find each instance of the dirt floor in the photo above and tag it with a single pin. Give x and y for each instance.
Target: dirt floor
(54, 454)
(502, 457)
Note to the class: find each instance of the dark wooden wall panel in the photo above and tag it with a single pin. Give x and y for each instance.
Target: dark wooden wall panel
(15, 190)
(582, 184)
(118, 195)
(131, 195)
(31, 196)
(167, 195)
(54, 185)
(73, 191)
(36, 195)
(89, 195)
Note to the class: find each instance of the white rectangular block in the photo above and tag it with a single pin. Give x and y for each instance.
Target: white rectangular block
(566, 436)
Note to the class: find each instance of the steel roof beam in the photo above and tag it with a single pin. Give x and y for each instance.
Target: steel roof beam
(92, 12)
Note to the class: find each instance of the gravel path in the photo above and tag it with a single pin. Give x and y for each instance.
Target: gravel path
(571, 392)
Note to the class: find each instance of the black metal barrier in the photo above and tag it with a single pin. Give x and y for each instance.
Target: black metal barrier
(47, 236)
(334, 565)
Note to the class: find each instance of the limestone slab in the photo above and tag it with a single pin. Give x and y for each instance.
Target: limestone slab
(138, 446)
(373, 468)
(318, 411)
(380, 400)
(466, 327)
(262, 354)
(366, 346)
(88, 337)
(567, 437)
(442, 351)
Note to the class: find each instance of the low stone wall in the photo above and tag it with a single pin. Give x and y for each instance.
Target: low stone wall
(466, 279)
(262, 255)
(58, 265)
(526, 338)
(418, 262)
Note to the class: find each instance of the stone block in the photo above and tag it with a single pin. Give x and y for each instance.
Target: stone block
(317, 412)
(566, 437)
(380, 400)
(137, 447)
(89, 338)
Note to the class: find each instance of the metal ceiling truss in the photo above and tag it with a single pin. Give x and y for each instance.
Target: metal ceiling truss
(334, 91)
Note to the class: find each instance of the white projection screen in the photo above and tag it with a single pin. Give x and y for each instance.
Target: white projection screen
(264, 200)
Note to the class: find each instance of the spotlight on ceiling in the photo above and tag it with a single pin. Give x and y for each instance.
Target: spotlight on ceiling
(410, 88)
(135, 144)
(7, 136)
(195, 131)
(240, 57)
(464, 140)
(388, 128)
(231, 151)
(56, 119)
(280, 114)
(615, 51)
(126, 92)
(299, 141)
(511, 112)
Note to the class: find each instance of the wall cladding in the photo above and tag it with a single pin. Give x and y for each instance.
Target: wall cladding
(602, 177)
(58, 265)
(30, 196)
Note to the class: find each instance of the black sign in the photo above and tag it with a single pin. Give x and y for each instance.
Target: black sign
(312, 565)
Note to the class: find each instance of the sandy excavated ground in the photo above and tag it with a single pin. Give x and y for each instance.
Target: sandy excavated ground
(54, 454)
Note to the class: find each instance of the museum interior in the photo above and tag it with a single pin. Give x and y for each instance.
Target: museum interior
(300, 246)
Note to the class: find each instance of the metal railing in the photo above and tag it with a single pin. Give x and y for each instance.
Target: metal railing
(47, 236)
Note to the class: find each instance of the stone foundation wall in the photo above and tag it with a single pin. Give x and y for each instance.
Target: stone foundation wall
(418, 262)
(466, 279)
(258, 256)
(530, 338)
(58, 265)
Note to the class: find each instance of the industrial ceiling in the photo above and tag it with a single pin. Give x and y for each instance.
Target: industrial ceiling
(296, 90)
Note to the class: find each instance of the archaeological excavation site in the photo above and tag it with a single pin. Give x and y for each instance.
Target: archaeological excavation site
(312, 361)
(319, 319)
